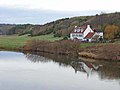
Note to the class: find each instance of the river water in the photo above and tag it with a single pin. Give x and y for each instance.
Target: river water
(25, 71)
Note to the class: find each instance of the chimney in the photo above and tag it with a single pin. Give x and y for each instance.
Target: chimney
(75, 30)
(75, 26)
(88, 26)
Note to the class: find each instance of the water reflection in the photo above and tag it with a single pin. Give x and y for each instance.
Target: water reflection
(110, 71)
(105, 70)
(46, 57)
(36, 58)
(85, 67)
(43, 71)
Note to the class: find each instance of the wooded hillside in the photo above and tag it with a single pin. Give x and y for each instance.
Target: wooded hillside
(64, 26)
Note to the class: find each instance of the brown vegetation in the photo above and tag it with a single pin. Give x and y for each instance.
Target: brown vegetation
(87, 55)
(103, 52)
(110, 51)
(111, 31)
(58, 47)
(68, 47)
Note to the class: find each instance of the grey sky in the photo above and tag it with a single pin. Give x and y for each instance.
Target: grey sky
(43, 11)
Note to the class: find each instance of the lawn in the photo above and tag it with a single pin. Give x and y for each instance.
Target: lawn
(12, 42)
(84, 45)
(15, 42)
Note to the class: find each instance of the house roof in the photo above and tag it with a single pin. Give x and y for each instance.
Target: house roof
(98, 30)
(80, 29)
(77, 33)
(89, 35)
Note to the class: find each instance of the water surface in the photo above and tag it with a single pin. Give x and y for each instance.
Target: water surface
(19, 71)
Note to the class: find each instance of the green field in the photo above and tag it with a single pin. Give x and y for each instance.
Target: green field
(15, 42)
(84, 45)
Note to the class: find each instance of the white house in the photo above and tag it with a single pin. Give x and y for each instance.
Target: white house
(85, 33)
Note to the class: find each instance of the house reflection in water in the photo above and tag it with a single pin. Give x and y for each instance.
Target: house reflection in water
(85, 67)
(102, 69)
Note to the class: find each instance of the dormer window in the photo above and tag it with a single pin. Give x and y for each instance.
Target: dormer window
(82, 29)
(75, 30)
(78, 30)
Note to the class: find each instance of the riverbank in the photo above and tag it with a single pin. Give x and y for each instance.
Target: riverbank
(62, 47)
(110, 52)
(50, 44)
(101, 51)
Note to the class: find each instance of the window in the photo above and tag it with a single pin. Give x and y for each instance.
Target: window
(77, 35)
(80, 35)
(73, 35)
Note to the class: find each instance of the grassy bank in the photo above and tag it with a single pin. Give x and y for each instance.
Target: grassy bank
(13, 42)
(16, 42)
(46, 43)
(107, 51)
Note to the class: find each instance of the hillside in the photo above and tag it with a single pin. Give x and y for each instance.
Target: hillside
(62, 27)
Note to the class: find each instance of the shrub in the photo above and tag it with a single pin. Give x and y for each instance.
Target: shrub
(57, 47)
(57, 35)
(65, 38)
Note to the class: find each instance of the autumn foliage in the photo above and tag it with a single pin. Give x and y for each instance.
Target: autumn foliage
(111, 31)
(58, 47)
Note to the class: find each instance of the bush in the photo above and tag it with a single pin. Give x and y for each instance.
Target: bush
(65, 38)
(57, 47)
(57, 35)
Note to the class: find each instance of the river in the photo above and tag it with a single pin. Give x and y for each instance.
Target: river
(25, 71)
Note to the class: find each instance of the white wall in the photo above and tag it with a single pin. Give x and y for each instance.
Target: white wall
(100, 34)
(88, 29)
(76, 35)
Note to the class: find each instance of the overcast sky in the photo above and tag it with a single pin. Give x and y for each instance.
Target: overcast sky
(42, 11)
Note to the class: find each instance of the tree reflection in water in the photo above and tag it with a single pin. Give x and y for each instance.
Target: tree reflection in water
(36, 58)
(105, 70)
